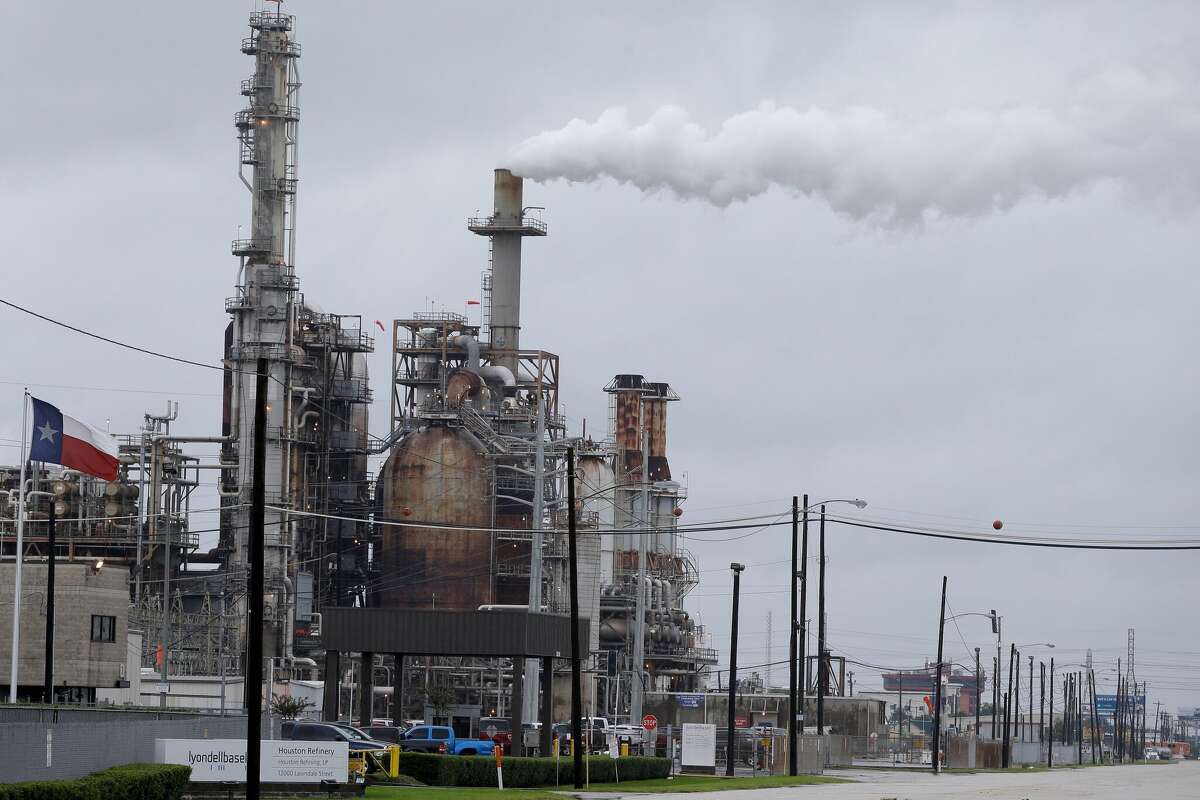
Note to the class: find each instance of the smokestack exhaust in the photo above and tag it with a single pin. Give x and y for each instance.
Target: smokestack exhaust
(506, 227)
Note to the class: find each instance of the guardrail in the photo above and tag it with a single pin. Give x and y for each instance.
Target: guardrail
(483, 224)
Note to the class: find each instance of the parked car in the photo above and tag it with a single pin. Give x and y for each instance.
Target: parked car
(632, 735)
(441, 739)
(386, 733)
(334, 732)
(597, 727)
(497, 730)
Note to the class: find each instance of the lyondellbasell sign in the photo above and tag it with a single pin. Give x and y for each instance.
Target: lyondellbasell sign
(282, 761)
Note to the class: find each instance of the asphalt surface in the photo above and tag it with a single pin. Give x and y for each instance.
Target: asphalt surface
(1174, 781)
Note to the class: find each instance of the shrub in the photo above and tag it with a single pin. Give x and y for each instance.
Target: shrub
(437, 770)
(421, 766)
(129, 782)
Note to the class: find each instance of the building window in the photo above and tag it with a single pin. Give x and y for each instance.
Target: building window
(104, 629)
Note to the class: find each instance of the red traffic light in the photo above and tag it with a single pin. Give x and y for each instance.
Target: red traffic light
(997, 524)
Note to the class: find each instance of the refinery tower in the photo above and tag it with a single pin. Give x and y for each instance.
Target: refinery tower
(469, 509)
(318, 391)
(472, 498)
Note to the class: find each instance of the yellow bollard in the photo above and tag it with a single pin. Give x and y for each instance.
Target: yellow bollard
(394, 761)
(624, 748)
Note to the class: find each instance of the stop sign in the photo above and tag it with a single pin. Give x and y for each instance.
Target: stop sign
(649, 722)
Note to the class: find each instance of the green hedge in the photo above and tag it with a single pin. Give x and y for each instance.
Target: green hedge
(130, 782)
(439, 770)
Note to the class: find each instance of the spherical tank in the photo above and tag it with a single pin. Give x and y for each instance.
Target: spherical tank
(439, 473)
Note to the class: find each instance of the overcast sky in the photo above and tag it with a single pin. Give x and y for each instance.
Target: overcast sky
(1036, 364)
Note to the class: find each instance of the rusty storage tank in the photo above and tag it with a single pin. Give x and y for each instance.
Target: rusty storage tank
(435, 475)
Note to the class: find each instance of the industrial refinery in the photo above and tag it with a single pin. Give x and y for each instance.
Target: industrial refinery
(468, 511)
(385, 426)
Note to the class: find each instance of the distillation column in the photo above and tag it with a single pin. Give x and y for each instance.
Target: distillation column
(264, 309)
(506, 227)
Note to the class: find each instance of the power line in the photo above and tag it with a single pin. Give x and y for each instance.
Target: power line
(154, 353)
(108, 389)
(1162, 544)
(1166, 544)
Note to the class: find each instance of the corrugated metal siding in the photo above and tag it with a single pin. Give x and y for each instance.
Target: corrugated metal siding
(449, 633)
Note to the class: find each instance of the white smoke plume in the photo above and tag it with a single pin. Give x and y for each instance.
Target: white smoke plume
(890, 171)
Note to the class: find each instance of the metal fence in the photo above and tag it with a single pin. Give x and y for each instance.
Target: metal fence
(54, 743)
(766, 752)
(883, 750)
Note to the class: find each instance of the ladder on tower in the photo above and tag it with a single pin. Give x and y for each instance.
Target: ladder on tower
(485, 322)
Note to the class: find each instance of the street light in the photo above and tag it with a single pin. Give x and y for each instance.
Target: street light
(730, 744)
(796, 649)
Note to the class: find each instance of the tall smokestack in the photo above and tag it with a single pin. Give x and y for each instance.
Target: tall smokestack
(506, 227)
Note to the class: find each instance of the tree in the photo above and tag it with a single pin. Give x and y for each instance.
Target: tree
(440, 698)
(289, 707)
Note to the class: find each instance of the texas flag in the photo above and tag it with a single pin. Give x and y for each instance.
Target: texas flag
(59, 439)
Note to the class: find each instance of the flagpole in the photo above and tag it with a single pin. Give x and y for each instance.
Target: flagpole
(19, 556)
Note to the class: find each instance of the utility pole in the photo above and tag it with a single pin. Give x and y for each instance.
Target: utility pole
(821, 635)
(802, 678)
(1118, 718)
(1012, 655)
(1050, 749)
(1080, 703)
(254, 655)
(1016, 710)
(996, 695)
(978, 693)
(1096, 733)
(1142, 706)
(530, 693)
(1004, 738)
(1030, 699)
(1068, 708)
(937, 686)
(730, 741)
(576, 680)
(1042, 705)
(852, 683)
(1157, 706)
(794, 711)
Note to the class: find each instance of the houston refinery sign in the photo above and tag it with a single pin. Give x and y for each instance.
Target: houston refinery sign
(283, 761)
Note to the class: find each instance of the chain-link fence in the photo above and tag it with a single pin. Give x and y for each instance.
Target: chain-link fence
(56, 743)
(882, 750)
(764, 751)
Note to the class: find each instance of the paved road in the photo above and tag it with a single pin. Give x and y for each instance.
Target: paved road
(1175, 781)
